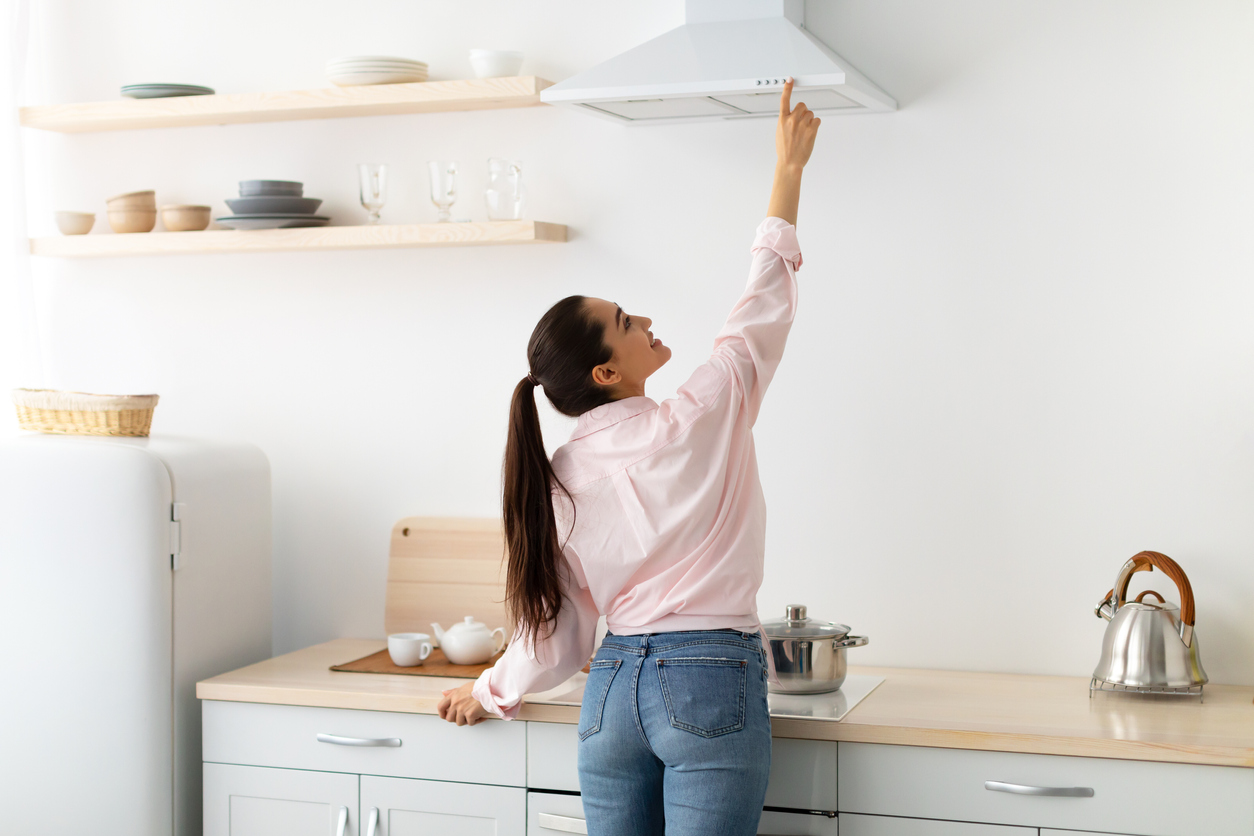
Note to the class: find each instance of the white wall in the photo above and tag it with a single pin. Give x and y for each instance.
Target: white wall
(1024, 350)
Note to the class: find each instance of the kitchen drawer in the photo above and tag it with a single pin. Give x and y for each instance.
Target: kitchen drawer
(553, 756)
(803, 772)
(254, 734)
(852, 824)
(550, 813)
(1136, 797)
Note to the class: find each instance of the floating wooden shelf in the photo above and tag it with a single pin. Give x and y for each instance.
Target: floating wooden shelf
(315, 238)
(324, 103)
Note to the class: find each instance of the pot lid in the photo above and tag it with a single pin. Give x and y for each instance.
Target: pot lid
(795, 625)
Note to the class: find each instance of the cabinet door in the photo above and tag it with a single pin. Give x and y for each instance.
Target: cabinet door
(259, 801)
(412, 807)
(852, 824)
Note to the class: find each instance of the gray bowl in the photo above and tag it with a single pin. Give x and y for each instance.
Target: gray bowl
(269, 204)
(258, 188)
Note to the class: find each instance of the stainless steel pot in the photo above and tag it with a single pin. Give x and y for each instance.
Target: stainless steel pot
(809, 655)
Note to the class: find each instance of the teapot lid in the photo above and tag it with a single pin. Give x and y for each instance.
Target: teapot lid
(467, 624)
(796, 625)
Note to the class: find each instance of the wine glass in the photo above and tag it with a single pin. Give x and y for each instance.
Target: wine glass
(374, 188)
(443, 187)
(505, 193)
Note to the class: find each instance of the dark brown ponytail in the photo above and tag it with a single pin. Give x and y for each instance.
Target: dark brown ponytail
(565, 346)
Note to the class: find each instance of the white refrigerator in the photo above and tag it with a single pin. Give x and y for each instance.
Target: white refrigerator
(129, 570)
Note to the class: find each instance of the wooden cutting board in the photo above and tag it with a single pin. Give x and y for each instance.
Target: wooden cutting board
(442, 569)
(435, 665)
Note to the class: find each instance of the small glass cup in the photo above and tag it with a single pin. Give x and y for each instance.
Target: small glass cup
(505, 194)
(443, 187)
(374, 188)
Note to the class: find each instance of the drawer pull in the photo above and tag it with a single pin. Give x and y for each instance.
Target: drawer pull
(563, 824)
(359, 741)
(1024, 789)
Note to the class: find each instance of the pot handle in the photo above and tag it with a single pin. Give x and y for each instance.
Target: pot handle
(1146, 562)
(849, 641)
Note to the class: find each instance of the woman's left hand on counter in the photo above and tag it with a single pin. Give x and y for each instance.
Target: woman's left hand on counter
(458, 706)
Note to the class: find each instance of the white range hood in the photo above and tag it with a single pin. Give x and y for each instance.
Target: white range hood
(728, 61)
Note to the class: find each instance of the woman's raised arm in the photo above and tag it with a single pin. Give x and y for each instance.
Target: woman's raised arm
(794, 140)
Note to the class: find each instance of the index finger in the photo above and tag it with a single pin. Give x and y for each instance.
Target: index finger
(785, 98)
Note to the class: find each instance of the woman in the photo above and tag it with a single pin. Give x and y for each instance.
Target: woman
(651, 514)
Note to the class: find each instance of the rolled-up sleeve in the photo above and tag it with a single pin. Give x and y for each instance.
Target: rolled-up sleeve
(751, 343)
(527, 668)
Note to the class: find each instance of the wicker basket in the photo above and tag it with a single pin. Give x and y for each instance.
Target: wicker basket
(80, 413)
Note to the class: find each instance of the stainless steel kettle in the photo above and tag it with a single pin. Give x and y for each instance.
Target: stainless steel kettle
(1149, 646)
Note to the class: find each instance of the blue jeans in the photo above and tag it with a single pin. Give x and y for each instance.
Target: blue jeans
(675, 735)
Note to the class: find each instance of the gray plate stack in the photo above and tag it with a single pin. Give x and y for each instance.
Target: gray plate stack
(272, 204)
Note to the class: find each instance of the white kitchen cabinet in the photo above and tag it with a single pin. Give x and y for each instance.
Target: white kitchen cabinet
(365, 742)
(549, 813)
(852, 824)
(407, 807)
(258, 801)
(803, 772)
(1093, 794)
(552, 813)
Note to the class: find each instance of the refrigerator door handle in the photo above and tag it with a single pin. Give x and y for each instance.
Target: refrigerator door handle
(343, 825)
(392, 742)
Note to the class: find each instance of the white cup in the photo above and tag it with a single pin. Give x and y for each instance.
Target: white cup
(409, 649)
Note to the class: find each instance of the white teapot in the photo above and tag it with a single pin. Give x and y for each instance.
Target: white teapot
(470, 642)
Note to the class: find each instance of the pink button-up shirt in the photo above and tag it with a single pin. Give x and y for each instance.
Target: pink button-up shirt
(669, 519)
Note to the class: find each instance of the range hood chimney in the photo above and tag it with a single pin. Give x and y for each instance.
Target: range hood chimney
(728, 61)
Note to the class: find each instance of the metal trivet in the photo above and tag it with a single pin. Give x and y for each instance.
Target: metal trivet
(1096, 684)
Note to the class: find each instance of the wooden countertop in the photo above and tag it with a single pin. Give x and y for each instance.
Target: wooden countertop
(1050, 715)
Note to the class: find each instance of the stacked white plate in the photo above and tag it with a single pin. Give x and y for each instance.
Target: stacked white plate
(374, 69)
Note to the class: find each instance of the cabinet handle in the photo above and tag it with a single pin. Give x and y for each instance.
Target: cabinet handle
(374, 821)
(359, 741)
(343, 825)
(1024, 789)
(562, 824)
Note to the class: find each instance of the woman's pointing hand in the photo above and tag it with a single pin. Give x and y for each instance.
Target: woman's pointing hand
(794, 140)
(794, 136)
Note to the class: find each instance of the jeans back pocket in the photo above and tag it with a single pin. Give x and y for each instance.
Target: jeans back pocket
(595, 690)
(704, 695)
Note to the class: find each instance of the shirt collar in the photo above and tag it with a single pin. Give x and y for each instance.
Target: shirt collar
(608, 414)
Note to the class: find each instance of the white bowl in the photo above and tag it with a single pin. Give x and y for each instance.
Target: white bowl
(74, 223)
(409, 649)
(495, 63)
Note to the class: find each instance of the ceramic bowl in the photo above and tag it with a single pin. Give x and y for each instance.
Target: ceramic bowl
(273, 204)
(132, 220)
(185, 218)
(256, 188)
(409, 649)
(74, 223)
(133, 200)
(495, 63)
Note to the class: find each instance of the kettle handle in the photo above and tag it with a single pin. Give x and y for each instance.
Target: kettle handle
(1145, 562)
